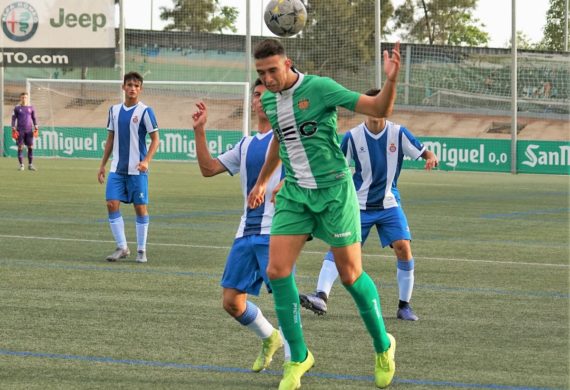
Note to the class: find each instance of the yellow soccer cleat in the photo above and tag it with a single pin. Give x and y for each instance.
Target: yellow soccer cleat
(269, 347)
(293, 371)
(385, 365)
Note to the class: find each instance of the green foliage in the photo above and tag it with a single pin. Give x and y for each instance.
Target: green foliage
(554, 28)
(441, 22)
(341, 26)
(199, 16)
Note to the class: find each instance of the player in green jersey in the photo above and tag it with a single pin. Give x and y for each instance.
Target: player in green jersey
(317, 196)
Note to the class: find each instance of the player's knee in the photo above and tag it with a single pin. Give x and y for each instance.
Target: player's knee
(112, 206)
(402, 249)
(348, 275)
(232, 307)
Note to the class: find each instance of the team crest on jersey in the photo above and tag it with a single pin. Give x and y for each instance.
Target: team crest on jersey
(392, 148)
(135, 119)
(303, 104)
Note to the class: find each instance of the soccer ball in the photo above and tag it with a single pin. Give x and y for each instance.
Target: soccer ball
(285, 17)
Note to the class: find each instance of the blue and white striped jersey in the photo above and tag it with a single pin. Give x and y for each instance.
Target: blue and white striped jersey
(131, 125)
(247, 158)
(377, 162)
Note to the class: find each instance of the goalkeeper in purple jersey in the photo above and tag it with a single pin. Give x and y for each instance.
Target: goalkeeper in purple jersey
(24, 129)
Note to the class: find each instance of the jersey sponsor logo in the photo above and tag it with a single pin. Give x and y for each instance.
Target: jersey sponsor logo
(19, 21)
(308, 128)
(392, 148)
(135, 119)
(303, 104)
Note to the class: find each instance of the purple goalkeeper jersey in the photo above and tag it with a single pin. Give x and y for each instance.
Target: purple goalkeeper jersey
(25, 116)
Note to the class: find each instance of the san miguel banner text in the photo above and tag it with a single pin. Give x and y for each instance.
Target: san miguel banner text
(60, 33)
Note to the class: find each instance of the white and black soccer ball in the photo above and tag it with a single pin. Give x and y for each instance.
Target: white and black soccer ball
(285, 17)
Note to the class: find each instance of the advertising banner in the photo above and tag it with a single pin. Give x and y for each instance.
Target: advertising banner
(454, 154)
(39, 33)
(76, 142)
(490, 155)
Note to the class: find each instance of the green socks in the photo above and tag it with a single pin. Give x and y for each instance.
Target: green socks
(365, 294)
(288, 308)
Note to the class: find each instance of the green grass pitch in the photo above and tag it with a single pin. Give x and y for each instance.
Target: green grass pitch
(492, 287)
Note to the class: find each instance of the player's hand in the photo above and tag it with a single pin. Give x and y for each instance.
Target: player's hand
(15, 134)
(101, 175)
(431, 162)
(256, 197)
(36, 132)
(142, 166)
(392, 63)
(200, 117)
(276, 190)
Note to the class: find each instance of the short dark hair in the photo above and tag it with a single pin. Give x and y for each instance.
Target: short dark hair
(267, 48)
(132, 76)
(23, 94)
(372, 92)
(256, 83)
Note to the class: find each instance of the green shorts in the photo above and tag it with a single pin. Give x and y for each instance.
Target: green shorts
(331, 214)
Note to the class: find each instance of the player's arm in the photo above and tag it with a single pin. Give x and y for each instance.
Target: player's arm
(14, 130)
(106, 155)
(431, 159)
(382, 105)
(208, 166)
(272, 161)
(154, 142)
(35, 122)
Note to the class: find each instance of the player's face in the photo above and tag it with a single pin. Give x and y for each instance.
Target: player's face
(132, 90)
(274, 72)
(24, 100)
(256, 101)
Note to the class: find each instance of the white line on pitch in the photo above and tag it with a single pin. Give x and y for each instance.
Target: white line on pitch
(307, 252)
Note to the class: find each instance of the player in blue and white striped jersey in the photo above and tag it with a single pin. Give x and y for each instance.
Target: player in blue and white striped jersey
(246, 264)
(377, 147)
(128, 124)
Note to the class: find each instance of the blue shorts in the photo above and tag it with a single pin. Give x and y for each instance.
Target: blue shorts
(127, 188)
(246, 266)
(391, 225)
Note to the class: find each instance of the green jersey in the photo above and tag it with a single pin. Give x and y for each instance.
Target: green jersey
(304, 120)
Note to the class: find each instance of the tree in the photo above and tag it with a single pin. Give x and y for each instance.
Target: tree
(441, 22)
(523, 42)
(340, 26)
(199, 16)
(554, 28)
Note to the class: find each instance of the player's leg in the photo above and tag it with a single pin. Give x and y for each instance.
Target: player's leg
(405, 276)
(317, 301)
(114, 193)
(393, 230)
(20, 143)
(283, 252)
(344, 217)
(244, 274)
(249, 315)
(138, 195)
(363, 290)
(29, 141)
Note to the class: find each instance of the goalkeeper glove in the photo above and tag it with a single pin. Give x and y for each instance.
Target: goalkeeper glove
(15, 134)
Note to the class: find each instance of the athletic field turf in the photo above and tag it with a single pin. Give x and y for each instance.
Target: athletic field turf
(492, 287)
